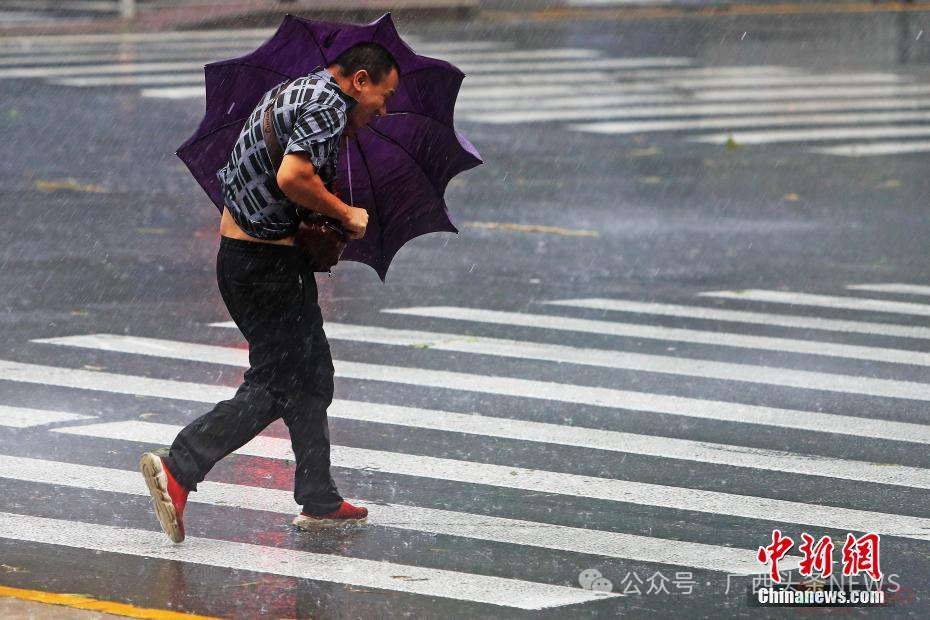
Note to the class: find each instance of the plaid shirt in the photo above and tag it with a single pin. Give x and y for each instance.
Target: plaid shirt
(310, 118)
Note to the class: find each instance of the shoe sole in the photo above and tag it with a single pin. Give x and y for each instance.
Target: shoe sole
(157, 482)
(317, 524)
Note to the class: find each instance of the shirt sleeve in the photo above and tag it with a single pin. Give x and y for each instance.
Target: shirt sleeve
(316, 132)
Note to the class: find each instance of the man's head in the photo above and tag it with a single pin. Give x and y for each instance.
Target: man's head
(368, 73)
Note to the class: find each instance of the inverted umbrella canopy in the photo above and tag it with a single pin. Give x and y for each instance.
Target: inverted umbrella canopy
(397, 167)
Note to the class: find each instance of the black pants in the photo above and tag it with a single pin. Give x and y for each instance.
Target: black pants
(271, 294)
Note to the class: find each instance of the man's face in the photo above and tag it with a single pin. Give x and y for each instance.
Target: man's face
(372, 98)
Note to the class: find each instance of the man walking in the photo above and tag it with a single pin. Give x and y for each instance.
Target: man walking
(270, 290)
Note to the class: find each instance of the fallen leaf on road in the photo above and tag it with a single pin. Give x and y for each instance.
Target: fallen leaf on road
(69, 185)
(556, 230)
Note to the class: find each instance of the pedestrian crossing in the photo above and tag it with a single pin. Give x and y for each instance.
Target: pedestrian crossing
(837, 113)
(827, 341)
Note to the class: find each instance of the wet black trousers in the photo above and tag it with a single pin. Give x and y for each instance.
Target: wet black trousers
(271, 294)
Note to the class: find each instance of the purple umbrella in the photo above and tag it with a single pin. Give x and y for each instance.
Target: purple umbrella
(397, 167)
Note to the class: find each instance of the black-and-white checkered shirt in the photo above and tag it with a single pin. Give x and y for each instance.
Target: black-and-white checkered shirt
(310, 118)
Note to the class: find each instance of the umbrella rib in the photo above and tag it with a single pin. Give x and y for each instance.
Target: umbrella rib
(231, 63)
(374, 193)
(423, 115)
(412, 158)
(313, 38)
(240, 121)
(450, 66)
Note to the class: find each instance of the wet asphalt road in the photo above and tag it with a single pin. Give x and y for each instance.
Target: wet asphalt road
(105, 233)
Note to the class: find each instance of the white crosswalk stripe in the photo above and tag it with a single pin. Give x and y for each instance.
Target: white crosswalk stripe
(634, 330)
(580, 88)
(868, 149)
(783, 120)
(811, 135)
(727, 371)
(549, 482)
(599, 439)
(896, 288)
(24, 417)
(738, 316)
(855, 467)
(621, 399)
(479, 527)
(825, 301)
(688, 407)
(317, 566)
(706, 109)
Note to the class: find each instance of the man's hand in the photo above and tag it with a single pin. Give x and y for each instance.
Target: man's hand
(355, 222)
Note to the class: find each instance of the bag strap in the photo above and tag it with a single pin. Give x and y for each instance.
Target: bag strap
(272, 144)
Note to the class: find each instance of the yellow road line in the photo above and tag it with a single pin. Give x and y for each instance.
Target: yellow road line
(787, 8)
(78, 601)
(555, 230)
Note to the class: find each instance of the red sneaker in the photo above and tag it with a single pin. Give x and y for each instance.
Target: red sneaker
(168, 496)
(345, 514)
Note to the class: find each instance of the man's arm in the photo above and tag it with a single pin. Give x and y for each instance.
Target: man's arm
(299, 181)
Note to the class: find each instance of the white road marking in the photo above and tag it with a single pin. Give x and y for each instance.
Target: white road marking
(746, 316)
(214, 51)
(357, 572)
(634, 330)
(401, 516)
(808, 135)
(22, 417)
(180, 92)
(503, 94)
(561, 103)
(602, 397)
(128, 55)
(869, 149)
(135, 80)
(824, 301)
(598, 64)
(82, 39)
(156, 67)
(582, 102)
(898, 289)
(788, 80)
(895, 90)
(663, 364)
(628, 443)
(540, 481)
(722, 71)
(101, 69)
(701, 109)
(65, 51)
(623, 127)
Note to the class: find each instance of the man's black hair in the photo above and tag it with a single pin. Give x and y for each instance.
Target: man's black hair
(369, 56)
